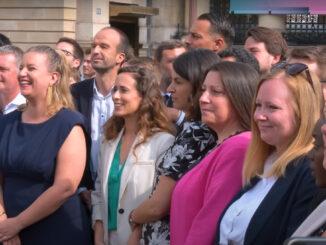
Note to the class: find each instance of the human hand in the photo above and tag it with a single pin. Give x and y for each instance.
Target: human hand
(13, 241)
(98, 233)
(9, 228)
(86, 198)
(135, 236)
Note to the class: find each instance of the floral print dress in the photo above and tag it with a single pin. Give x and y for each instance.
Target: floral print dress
(191, 145)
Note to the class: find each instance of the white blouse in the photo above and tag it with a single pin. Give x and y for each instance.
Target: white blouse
(236, 219)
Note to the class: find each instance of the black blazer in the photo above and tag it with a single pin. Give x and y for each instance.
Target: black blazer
(82, 93)
(283, 209)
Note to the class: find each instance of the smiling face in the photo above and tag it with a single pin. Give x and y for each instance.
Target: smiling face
(34, 76)
(8, 76)
(181, 93)
(126, 97)
(105, 55)
(274, 114)
(216, 108)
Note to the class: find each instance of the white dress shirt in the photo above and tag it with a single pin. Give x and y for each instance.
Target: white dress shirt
(236, 219)
(13, 105)
(102, 110)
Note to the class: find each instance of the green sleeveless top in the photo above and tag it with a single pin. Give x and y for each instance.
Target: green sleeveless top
(114, 189)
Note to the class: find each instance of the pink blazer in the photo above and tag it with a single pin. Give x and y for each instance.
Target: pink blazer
(202, 194)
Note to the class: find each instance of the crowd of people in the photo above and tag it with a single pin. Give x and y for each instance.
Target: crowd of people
(206, 143)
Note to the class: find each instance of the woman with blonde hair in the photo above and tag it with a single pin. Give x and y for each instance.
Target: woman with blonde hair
(136, 137)
(277, 178)
(42, 158)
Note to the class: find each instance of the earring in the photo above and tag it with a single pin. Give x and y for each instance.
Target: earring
(49, 95)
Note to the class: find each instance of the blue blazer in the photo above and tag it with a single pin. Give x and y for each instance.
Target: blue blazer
(283, 209)
(82, 93)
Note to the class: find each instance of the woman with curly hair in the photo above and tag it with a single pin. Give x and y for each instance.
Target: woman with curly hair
(136, 137)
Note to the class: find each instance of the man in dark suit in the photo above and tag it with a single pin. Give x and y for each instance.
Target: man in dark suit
(93, 96)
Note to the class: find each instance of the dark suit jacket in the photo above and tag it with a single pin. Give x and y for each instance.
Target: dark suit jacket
(283, 209)
(82, 93)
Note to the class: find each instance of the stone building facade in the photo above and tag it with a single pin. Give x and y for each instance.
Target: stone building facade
(146, 22)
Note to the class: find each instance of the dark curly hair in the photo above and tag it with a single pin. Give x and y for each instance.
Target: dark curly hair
(151, 116)
(193, 66)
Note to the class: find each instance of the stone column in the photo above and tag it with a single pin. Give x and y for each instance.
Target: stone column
(92, 15)
(163, 26)
(194, 8)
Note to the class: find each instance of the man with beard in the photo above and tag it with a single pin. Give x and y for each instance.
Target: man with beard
(93, 97)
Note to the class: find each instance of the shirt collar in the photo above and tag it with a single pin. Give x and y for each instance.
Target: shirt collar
(97, 94)
(17, 101)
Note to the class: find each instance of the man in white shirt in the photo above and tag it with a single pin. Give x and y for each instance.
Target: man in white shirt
(93, 96)
(10, 97)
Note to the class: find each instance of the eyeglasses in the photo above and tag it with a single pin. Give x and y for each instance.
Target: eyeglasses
(295, 69)
(67, 53)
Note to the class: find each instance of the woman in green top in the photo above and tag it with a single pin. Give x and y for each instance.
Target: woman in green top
(136, 136)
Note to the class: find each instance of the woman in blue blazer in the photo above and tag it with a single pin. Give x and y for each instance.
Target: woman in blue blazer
(277, 179)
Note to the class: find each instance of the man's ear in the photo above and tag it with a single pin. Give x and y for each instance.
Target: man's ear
(219, 44)
(276, 59)
(120, 58)
(76, 63)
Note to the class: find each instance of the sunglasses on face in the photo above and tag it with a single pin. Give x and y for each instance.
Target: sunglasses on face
(295, 69)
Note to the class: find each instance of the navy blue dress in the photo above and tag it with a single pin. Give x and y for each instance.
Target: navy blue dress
(27, 162)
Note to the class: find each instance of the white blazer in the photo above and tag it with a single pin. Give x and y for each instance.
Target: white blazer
(136, 181)
(314, 221)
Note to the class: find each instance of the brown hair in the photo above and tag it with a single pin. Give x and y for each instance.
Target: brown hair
(192, 66)
(310, 54)
(151, 118)
(167, 45)
(88, 51)
(322, 63)
(240, 82)
(273, 40)
(78, 51)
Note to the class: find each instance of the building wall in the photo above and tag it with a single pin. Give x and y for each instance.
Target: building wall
(92, 15)
(31, 22)
(163, 26)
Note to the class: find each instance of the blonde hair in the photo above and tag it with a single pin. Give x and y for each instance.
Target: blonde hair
(306, 105)
(58, 95)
